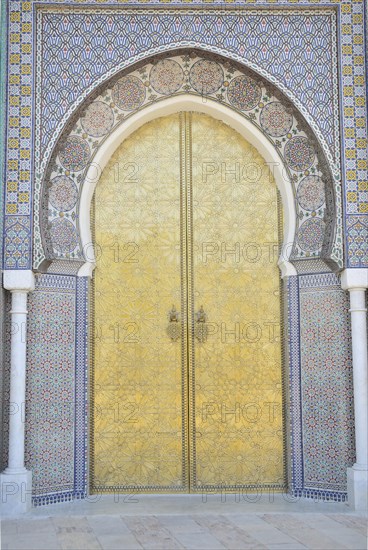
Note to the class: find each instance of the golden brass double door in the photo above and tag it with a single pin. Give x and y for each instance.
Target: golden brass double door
(190, 398)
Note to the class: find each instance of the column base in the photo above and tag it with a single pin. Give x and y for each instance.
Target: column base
(358, 489)
(16, 492)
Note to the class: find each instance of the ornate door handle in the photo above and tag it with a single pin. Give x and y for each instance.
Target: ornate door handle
(201, 328)
(174, 326)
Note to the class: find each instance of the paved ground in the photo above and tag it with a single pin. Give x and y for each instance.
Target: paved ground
(170, 522)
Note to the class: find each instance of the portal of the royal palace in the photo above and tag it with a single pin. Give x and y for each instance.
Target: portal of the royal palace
(185, 250)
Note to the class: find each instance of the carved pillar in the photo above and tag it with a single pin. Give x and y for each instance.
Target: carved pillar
(16, 481)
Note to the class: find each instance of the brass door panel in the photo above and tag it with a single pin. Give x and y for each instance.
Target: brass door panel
(187, 400)
(236, 392)
(139, 431)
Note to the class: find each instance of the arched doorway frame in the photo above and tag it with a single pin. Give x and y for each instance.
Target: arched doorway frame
(324, 229)
(218, 111)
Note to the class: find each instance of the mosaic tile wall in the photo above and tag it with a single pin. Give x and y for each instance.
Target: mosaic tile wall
(272, 44)
(56, 388)
(321, 387)
(70, 45)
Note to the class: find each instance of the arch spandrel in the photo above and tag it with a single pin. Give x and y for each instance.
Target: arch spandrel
(203, 83)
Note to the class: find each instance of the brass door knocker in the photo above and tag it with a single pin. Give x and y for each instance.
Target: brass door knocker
(174, 326)
(201, 328)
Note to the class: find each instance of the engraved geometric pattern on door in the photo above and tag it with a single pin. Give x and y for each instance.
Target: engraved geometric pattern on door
(186, 375)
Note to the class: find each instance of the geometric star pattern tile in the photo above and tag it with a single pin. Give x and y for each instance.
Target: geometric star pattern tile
(357, 240)
(323, 436)
(55, 444)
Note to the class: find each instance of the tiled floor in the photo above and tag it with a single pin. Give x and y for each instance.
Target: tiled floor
(165, 521)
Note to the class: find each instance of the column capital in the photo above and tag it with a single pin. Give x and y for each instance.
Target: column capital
(86, 270)
(286, 267)
(19, 280)
(354, 279)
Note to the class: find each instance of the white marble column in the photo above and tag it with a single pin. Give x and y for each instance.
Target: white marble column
(356, 282)
(16, 481)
